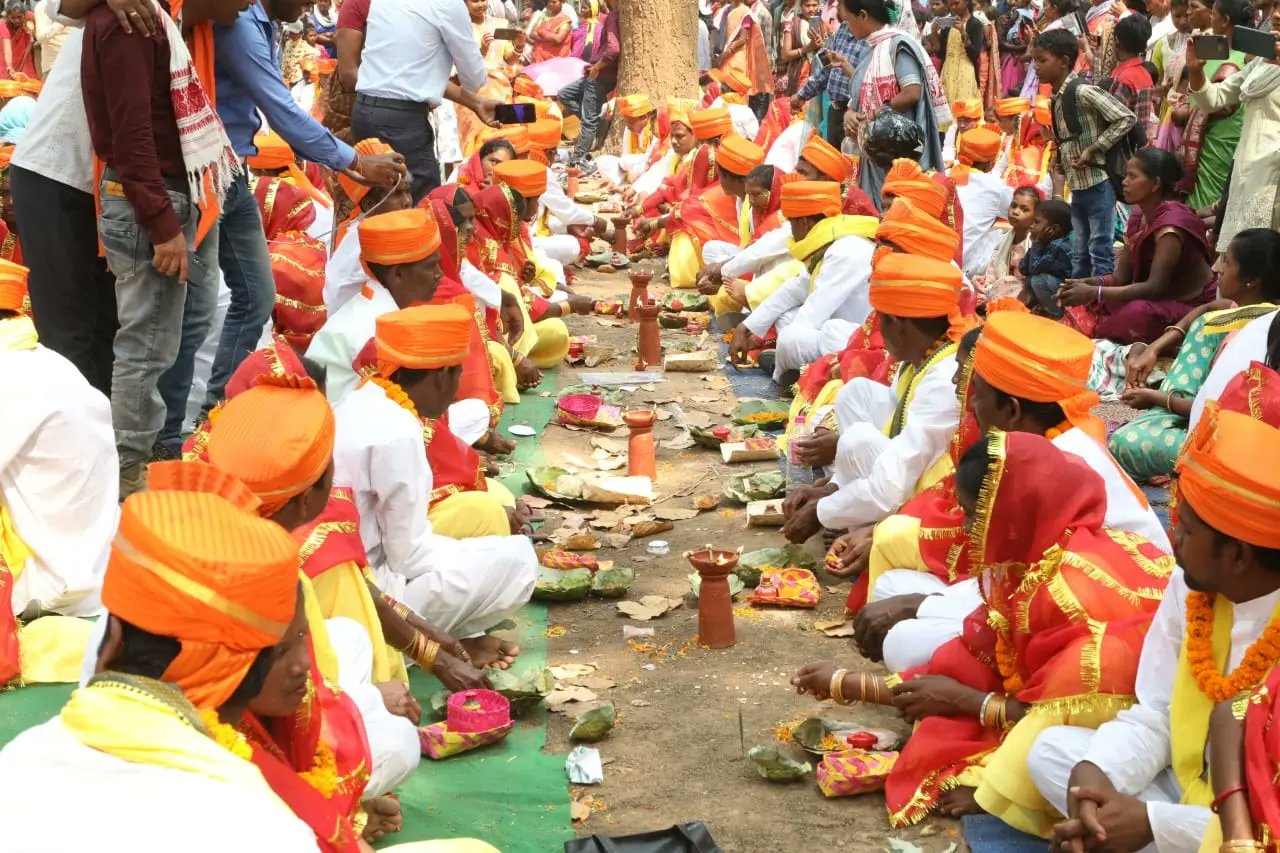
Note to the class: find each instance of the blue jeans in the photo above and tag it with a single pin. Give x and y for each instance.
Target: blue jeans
(150, 308)
(1093, 221)
(1045, 287)
(197, 319)
(584, 98)
(246, 266)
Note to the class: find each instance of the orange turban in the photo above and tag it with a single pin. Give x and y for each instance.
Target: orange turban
(1006, 107)
(1230, 476)
(1043, 112)
(524, 85)
(681, 110)
(517, 135)
(928, 194)
(967, 108)
(545, 133)
(276, 438)
(978, 145)
(827, 159)
(917, 233)
(273, 154)
(524, 176)
(536, 156)
(204, 570)
(738, 156)
(13, 286)
(398, 237)
(635, 106)
(810, 198)
(911, 286)
(709, 124)
(356, 191)
(425, 337)
(735, 79)
(1041, 360)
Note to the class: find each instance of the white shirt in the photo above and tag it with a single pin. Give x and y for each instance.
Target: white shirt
(344, 334)
(839, 292)
(412, 46)
(193, 812)
(561, 206)
(1245, 347)
(59, 478)
(1159, 29)
(57, 144)
(984, 199)
(767, 249)
(343, 274)
(379, 452)
(931, 420)
(1135, 747)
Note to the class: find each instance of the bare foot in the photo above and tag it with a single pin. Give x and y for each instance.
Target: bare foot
(491, 651)
(496, 444)
(384, 817)
(958, 802)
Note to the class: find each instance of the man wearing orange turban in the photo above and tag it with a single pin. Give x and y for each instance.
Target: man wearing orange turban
(639, 142)
(967, 114)
(907, 228)
(891, 436)
(817, 309)
(709, 125)
(463, 586)
(1203, 649)
(983, 196)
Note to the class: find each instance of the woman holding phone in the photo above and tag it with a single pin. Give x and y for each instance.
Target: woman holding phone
(1252, 201)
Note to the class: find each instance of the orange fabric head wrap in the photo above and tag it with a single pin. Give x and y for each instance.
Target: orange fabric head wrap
(709, 124)
(517, 135)
(524, 176)
(1043, 112)
(1012, 106)
(826, 159)
(910, 286)
(356, 192)
(928, 194)
(13, 285)
(398, 237)
(205, 571)
(1041, 360)
(738, 156)
(967, 108)
(273, 154)
(978, 145)
(635, 106)
(524, 85)
(810, 198)
(10, 88)
(1230, 476)
(681, 110)
(913, 231)
(276, 438)
(736, 79)
(423, 337)
(545, 133)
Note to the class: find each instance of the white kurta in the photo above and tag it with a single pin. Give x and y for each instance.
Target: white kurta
(653, 177)
(1134, 750)
(760, 255)
(984, 199)
(345, 333)
(187, 811)
(343, 274)
(461, 586)
(1245, 346)
(784, 153)
(59, 478)
(876, 474)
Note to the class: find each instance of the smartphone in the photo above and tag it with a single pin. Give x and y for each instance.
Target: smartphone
(515, 113)
(506, 34)
(815, 25)
(944, 22)
(1213, 47)
(1071, 23)
(1252, 42)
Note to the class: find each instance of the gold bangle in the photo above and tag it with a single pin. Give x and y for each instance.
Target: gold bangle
(426, 659)
(1239, 845)
(836, 689)
(402, 610)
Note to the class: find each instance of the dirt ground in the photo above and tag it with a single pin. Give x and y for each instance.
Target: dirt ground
(677, 752)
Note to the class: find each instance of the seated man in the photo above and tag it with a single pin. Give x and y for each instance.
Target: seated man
(828, 297)
(983, 196)
(707, 127)
(58, 494)
(1143, 778)
(560, 228)
(198, 592)
(891, 436)
(461, 586)
(640, 144)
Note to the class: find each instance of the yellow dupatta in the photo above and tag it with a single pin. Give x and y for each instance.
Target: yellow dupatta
(827, 232)
(343, 591)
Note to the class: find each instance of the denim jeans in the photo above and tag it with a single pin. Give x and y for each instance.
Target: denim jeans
(1045, 287)
(150, 308)
(246, 266)
(1093, 222)
(584, 98)
(197, 318)
(409, 132)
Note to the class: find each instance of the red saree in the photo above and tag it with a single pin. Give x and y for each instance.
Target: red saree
(712, 215)
(552, 38)
(297, 259)
(1262, 759)
(501, 245)
(688, 181)
(283, 206)
(1067, 605)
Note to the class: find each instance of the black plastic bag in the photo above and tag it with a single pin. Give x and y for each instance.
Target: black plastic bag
(681, 838)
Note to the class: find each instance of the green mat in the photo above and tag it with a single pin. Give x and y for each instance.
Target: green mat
(510, 794)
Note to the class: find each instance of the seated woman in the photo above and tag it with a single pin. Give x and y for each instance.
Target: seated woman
(1164, 269)
(1149, 445)
(476, 172)
(691, 176)
(1057, 640)
(1002, 278)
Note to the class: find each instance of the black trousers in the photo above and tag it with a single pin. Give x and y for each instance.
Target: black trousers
(73, 294)
(835, 123)
(409, 132)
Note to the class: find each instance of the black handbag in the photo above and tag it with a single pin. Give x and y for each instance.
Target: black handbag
(681, 838)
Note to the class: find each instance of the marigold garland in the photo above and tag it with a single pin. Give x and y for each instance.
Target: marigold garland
(226, 736)
(1254, 666)
(323, 775)
(396, 394)
(1007, 662)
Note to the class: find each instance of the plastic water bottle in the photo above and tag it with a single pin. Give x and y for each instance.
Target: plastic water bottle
(798, 474)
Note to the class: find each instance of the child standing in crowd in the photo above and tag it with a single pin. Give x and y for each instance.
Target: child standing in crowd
(1047, 262)
(1004, 276)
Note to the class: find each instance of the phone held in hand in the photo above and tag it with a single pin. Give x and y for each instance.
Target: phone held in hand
(1253, 42)
(515, 113)
(1211, 47)
(506, 34)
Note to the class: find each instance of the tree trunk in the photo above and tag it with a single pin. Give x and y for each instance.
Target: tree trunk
(659, 52)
